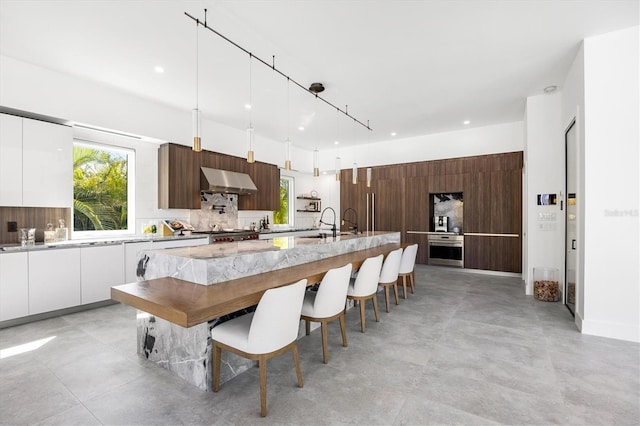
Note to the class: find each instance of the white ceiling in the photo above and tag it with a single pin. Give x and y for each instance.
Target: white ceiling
(411, 67)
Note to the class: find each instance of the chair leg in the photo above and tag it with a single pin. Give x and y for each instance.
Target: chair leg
(296, 362)
(262, 362)
(325, 342)
(386, 297)
(375, 307)
(412, 281)
(216, 355)
(404, 286)
(343, 329)
(362, 324)
(395, 291)
(307, 327)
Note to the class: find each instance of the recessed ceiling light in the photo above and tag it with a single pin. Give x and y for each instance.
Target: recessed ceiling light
(393, 133)
(301, 128)
(550, 89)
(336, 143)
(247, 106)
(158, 69)
(466, 122)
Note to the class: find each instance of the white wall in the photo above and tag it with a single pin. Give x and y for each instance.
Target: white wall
(544, 173)
(39, 90)
(495, 139)
(612, 187)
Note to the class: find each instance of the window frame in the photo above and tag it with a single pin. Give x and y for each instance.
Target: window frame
(131, 196)
(291, 208)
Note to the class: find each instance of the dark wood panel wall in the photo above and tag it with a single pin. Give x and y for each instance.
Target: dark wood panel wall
(492, 187)
(31, 217)
(179, 178)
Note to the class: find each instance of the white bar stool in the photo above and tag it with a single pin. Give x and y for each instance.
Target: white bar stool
(389, 275)
(365, 286)
(268, 332)
(407, 267)
(327, 304)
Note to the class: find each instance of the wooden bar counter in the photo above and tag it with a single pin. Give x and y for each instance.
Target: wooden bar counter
(184, 292)
(186, 304)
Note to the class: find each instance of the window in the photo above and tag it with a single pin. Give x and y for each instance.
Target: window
(102, 189)
(285, 216)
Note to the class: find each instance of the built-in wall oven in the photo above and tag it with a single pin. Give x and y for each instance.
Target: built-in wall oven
(445, 249)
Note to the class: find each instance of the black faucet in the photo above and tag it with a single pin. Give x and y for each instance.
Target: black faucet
(355, 224)
(333, 225)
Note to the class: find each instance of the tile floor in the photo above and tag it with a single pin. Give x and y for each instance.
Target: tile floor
(465, 349)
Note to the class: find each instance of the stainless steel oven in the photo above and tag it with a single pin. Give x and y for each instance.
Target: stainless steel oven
(446, 249)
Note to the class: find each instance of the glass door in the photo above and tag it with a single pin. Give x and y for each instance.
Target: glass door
(571, 229)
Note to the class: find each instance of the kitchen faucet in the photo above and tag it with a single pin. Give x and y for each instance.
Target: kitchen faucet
(333, 225)
(355, 224)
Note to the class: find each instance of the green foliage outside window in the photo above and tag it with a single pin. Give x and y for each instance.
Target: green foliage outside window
(281, 217)
(99, 189)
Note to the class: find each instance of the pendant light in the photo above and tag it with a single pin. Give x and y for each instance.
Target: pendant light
(195, 113)
(337, 143)
(287, 158)
(316, 162)
(354, 172)
(368, 168)
(250, 132)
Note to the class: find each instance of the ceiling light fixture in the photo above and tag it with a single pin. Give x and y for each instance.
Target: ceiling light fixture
(196, 117)
(317, 87)
(250, 132)
(336, 143)
(316, 162)
(287, 158)
(158, 69)
(369, 168)
(550, 89)
(465, 122)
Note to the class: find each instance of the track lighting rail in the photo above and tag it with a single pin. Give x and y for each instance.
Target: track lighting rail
(273, 67)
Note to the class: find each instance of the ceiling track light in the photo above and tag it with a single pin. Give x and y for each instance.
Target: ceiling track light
(196, 118)
(272, 66)
(316, 162)
(287, 159)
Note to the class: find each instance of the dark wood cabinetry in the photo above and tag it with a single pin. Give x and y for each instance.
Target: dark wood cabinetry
(179, 178)
(492, 188)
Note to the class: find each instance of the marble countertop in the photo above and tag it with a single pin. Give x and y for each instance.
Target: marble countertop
(213, 263)
(14, 248)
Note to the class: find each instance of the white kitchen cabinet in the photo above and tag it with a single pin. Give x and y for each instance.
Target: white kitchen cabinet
(14, 285)
(47, 164)
(131, 259)
(180, 243)
(101, 267)
(36, 163)
(54, 279)
(10, 160)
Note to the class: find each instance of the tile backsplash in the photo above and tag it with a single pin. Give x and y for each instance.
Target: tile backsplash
(216, 209)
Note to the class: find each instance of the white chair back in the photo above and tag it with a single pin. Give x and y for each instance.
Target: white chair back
(408, 259)
(332, 292)
(391, 266)
(366, 282)
(276, 319)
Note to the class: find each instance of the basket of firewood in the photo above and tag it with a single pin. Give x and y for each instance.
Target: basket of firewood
(545, 284)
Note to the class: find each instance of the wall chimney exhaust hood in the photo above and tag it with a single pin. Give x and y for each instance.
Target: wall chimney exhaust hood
(225, 181)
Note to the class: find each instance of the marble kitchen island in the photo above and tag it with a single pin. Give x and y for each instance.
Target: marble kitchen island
(184, 292)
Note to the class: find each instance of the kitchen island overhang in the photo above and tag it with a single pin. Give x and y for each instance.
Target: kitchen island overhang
(177, 314)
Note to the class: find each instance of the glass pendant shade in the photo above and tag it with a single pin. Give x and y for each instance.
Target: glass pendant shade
(250, 135)
(316, 161)
(368, 177)
(355, 174)
(196, 120)
(337, 168)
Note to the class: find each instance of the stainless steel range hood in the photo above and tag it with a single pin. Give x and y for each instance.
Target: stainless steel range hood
(225, 181)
